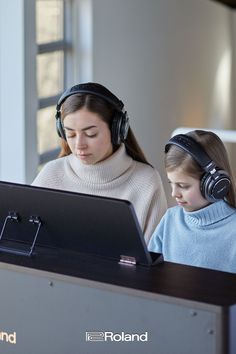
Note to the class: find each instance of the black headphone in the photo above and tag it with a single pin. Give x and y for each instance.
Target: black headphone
(215, 183)
(120, 120)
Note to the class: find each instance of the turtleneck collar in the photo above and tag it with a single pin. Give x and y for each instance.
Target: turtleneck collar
(104, 171)
(210, 214)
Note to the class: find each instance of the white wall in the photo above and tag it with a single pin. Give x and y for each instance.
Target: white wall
(18, 97)
(170, 62)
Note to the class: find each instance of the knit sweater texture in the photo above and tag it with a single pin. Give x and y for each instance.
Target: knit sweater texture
(204, 238)
(119, 176)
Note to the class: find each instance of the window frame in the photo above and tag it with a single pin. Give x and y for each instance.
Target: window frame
(64, 45)
(19, 155)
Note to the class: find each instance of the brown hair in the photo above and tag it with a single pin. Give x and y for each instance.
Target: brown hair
(106, 111)
(176, 157)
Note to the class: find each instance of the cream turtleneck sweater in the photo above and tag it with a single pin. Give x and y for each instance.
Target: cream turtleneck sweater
(119, 176)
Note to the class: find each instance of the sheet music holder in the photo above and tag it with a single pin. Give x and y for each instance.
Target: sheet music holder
(32, 217)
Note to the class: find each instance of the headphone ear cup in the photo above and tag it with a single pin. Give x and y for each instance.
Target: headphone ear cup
(115, 129)
(124, 128)
(59, 126)
(215, 186)
(119, 128)
(205, 186)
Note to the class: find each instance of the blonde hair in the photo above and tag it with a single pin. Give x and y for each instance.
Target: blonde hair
(176, 157)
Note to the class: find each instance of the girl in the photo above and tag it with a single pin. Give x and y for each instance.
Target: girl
(201, 230)
(100, 155)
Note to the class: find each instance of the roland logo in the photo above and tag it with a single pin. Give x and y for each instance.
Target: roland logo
(116, 337)
(8, 337)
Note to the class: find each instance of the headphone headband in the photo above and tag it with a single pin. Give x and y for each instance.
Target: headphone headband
(92, 89)
(193, 148)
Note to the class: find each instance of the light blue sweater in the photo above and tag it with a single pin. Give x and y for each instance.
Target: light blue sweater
(203, 238)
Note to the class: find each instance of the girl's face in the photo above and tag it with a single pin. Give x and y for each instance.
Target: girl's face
(186, 190)
(88, 136)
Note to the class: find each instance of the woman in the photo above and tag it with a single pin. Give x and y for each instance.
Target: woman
(100, 155)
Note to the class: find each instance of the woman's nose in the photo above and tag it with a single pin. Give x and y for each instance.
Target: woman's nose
(80, 142)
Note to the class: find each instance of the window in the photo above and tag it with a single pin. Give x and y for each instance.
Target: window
(64, 58)
(53, 49)
(60, 53)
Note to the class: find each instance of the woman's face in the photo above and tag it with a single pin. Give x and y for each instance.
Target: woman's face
(88, 136)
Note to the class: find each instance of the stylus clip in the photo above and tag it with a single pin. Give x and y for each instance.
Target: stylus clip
(37, 221)
(21, 249)
(12, 216)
